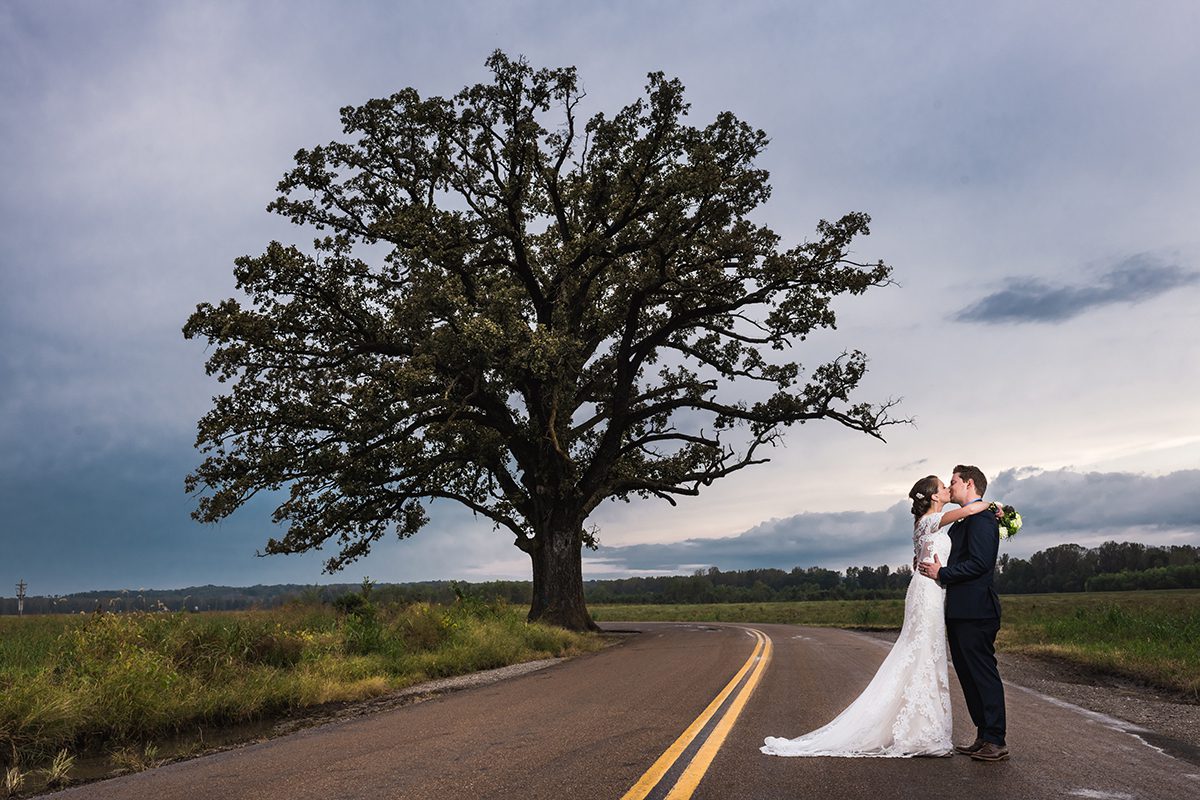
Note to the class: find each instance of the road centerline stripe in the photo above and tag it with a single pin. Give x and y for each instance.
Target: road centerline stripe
(699, 765)
(701, 740)
(677, 770)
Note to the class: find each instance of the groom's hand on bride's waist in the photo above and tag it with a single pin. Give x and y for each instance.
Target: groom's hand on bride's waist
(930, 569)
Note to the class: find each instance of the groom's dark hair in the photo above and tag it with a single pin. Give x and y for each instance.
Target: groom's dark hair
(969, 473)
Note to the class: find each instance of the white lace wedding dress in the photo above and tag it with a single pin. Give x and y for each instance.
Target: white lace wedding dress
(905, 710)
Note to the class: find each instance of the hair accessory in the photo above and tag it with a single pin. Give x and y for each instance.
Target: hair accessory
(919, 496)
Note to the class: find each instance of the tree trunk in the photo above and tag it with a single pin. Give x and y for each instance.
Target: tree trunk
(558, 582)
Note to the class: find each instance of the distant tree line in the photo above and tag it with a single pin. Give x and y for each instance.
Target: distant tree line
(1110, 567)
(234, 598)
(754, 586)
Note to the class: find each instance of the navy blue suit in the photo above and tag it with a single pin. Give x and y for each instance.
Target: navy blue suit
(973, 619)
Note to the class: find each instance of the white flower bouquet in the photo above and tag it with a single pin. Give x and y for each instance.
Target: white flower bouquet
(1010, 521)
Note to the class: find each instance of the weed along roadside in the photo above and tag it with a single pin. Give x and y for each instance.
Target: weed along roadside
(87, 696)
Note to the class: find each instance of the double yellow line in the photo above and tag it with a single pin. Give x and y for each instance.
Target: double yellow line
(704, 737)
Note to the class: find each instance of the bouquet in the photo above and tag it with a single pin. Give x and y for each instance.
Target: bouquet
(1009, 519)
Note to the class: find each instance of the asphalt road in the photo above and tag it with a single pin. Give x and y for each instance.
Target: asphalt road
(674, 712)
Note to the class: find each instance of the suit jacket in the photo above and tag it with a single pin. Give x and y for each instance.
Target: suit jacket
(967, 575)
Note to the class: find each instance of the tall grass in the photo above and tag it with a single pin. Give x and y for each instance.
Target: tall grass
(1147, 636)
(108, 682)
(1151, 636)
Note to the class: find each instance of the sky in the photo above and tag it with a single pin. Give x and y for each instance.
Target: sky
(1031, 171)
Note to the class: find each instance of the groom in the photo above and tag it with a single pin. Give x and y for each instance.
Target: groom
(973, 614)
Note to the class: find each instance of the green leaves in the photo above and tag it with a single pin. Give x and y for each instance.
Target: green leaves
(520, 311)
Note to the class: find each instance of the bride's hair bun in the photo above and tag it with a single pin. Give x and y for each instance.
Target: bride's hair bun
(922, 494)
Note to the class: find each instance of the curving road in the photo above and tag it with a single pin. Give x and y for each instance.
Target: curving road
(677, 711)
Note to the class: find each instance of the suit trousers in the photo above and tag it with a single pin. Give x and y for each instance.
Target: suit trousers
(973, 650)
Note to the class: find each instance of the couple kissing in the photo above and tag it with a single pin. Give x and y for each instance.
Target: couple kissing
(905, 710)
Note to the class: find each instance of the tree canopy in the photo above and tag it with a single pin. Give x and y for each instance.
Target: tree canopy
(523, 312)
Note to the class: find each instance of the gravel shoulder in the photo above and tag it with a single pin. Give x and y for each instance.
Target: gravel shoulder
(1112, 696)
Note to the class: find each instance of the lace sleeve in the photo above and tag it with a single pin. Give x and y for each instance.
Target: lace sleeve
(923, 536)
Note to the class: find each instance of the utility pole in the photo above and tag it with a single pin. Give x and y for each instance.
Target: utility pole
(21, 598)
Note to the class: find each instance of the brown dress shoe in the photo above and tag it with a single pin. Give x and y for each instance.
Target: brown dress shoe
(990, 752)
(967, 749)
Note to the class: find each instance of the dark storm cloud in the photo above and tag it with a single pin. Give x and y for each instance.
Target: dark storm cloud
(803, 540)
(121, 519)
(1058, 506)
(1135, 279)
(1068, 502)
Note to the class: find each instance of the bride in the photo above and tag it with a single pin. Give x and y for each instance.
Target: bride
(905, 710)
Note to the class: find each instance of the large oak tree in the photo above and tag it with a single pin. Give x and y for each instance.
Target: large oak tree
(521, 311)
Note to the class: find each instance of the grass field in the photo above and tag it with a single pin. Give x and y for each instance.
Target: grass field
(1150, 636)
(119, 683)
